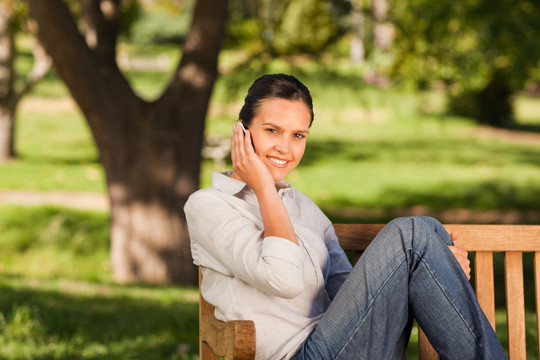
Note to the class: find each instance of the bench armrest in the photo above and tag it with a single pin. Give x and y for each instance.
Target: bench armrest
(230, 340)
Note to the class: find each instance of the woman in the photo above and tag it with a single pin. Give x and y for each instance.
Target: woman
(270, 255)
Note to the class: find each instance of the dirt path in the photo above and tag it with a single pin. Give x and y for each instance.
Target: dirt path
(96, 201)
(81, 201)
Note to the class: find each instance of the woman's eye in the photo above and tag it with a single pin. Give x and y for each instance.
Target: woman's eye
(273, 131)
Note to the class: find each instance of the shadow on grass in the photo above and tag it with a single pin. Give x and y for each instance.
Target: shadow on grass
(489, 189)
(65, 323)
(425, 151)
(36, 159)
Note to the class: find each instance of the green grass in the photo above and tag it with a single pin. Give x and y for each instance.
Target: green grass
(51, 242)
(58, 300)
(60, 319)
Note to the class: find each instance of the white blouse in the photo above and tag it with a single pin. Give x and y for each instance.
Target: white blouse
(282, 287)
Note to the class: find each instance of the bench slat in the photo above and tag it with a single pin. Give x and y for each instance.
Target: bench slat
(497, 237)
(537, 293)
(485, 286)
(425, 350)
(471, 237)
(515, 305)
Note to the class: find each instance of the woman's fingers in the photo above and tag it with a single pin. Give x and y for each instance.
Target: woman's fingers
(462, 258)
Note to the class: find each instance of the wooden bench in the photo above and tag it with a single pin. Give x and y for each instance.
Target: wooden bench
(236, 339)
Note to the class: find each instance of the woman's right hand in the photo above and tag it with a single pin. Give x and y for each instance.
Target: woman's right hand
(247, 166)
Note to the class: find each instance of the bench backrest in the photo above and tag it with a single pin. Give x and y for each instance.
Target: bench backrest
(236, 339)
(483, 240)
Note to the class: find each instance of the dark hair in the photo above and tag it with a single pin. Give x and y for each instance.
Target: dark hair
(274, 86)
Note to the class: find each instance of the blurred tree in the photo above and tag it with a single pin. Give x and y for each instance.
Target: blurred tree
(286, 27)
(357, 51)
(306, 26)
(484, 51)
(151, 151)
(12, 16)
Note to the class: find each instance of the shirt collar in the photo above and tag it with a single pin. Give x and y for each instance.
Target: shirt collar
(224, 182)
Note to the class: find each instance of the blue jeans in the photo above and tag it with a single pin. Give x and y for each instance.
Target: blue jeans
(406, 273)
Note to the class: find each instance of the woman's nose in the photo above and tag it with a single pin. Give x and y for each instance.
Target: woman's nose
(283, 146)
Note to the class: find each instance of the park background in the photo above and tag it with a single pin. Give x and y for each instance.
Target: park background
(402, 127)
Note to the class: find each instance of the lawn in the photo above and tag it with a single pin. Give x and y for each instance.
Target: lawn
(369, 150)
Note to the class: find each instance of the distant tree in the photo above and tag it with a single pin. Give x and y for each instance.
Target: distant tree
(151, 151)
(357, 46)
(286, 27)
(483, 50)
(12, 15)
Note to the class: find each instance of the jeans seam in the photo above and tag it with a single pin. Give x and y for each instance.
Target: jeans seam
(370, 307)
(448, 298)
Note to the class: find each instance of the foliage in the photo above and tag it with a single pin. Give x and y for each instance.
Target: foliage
(286, 27)
(306, 26)
(18, 10)
(473, 47)
(164, 23)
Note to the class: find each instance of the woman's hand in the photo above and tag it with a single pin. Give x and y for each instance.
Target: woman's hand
(461, 256)
(247, 166)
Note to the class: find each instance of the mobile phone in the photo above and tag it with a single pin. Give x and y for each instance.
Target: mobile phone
(243, 127)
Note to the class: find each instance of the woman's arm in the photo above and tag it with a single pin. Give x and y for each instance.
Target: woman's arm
(227, 237)
(340, 266)
(251, 170)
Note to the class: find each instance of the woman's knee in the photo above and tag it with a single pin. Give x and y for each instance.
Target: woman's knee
(418, 229)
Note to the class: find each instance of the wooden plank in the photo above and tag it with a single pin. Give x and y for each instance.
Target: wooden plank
(356, 236)
(537, 293)
(425, 350)
(232, 340)
(471, 237)
(515, 305)
(497, 237)
(485, 286)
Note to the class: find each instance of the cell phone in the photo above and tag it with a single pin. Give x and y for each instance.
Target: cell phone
(243, 127)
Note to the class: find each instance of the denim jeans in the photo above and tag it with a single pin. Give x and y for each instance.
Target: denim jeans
(406, 273)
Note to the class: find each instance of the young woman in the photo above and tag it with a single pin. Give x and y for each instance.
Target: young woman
(270, 255)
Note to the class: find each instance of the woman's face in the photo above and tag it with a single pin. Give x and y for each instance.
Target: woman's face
(279, 132)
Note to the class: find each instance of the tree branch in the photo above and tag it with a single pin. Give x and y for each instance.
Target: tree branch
(101, 20)
(198, 67)
(42, 65)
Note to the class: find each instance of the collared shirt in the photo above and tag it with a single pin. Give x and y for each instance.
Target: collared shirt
(282, 287)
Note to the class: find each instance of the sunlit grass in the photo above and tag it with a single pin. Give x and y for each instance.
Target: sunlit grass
(58, 300)
(59, 319)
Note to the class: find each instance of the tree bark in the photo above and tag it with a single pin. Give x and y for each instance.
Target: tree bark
(150, 151)
(7, 106)
(383, 32)
(357, 52)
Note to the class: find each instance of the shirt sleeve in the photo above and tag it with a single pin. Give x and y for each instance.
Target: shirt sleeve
(340, 266)
(230, 241)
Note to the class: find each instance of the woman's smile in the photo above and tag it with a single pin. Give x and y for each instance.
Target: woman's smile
(277, 162)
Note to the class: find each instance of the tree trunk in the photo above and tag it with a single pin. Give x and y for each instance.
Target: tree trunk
(383, 31)
(7, 133)
(150, 151)
(7, 96)
(357, 52)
